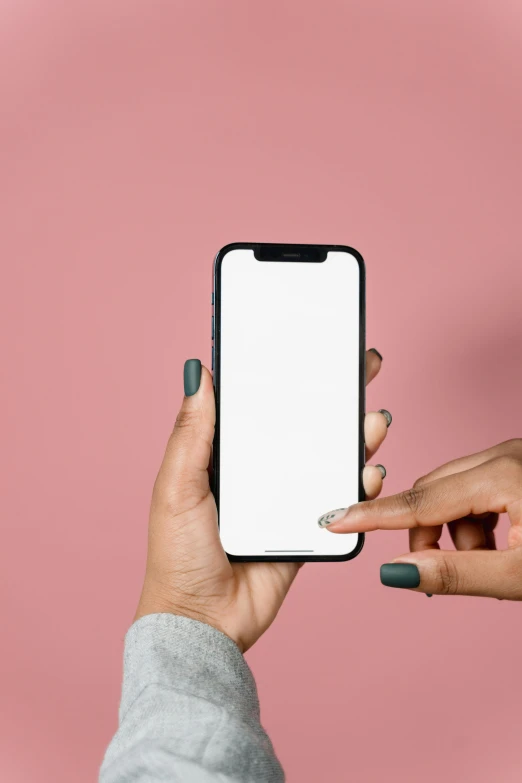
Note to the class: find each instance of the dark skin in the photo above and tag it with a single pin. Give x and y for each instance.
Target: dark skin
(187, 570)
(467, 495)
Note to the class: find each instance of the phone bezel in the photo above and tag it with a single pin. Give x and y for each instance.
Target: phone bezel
(216, 366)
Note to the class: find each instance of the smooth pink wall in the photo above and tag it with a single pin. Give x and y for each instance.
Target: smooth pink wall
(136, 139)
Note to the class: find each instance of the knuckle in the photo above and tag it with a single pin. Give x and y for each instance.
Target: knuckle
(447, 576)
(186, 419)
(413, 499)
(185, 493)
(420, 482)
(512, 446)
(163, 499)
(509, 465)
(177, 492)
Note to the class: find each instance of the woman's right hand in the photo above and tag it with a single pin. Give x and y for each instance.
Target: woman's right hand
(467, 494)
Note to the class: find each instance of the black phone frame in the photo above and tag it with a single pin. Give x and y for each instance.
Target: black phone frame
(216, 367)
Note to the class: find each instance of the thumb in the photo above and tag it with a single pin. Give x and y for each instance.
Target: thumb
(490, 573)
(183, 477)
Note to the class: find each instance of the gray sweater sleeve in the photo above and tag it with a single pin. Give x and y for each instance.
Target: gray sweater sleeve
(189, 709)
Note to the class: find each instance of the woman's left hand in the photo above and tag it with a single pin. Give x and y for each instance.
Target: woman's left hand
(467, 495)
(187, 572)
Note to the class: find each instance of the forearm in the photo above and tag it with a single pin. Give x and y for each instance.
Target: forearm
(189, 709)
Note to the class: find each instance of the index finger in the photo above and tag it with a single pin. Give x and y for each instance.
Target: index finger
(488, 487)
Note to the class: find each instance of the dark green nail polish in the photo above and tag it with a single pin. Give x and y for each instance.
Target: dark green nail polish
(376, 352)
(387, 415)
(429, 595)
(382, 469)
(191, 376)
(400, 575)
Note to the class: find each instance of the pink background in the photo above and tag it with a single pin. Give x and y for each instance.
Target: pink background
(136, 139)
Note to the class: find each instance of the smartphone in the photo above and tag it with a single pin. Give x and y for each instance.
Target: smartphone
(288, 356)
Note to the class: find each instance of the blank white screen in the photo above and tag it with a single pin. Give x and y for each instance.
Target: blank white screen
(289, 394)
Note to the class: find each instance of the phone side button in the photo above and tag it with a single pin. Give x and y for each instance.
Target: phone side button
(212, 299)
(212, 365)
(212, 327)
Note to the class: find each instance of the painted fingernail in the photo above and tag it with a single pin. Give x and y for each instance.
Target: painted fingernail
(191, 376)
(400, 575)
(387, 415)
(429, 595)
(376, 352)
(382, 469)
(332, 516)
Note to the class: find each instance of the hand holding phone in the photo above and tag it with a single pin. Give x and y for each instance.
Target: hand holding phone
(188, 572)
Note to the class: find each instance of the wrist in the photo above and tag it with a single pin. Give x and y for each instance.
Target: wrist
(151, 606)
(154, 604)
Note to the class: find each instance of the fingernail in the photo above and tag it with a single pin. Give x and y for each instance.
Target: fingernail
(387, 415)
(429, 595)
(191, 376)
(382, 469)
(400, 575)
(332, 516)
(376, 352)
